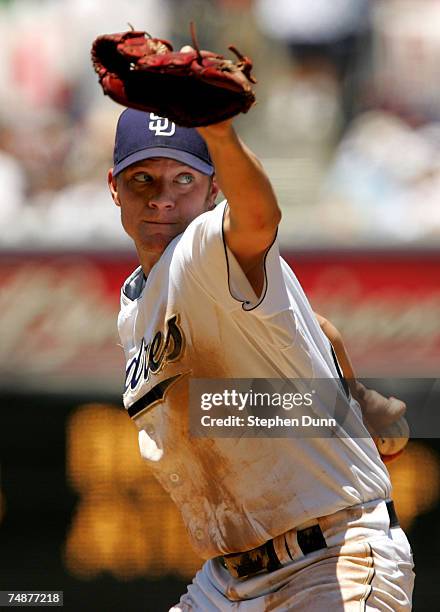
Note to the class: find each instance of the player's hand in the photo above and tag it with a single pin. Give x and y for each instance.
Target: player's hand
(378, 411)
(215, 130)
(385, 421)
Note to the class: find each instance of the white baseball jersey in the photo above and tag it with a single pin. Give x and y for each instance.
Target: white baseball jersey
(196, 315)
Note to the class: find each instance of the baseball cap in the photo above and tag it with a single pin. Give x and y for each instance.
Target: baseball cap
(141, 135)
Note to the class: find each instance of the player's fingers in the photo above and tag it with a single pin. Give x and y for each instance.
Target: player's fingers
(392, 410)
(379, 412)
(397, 408)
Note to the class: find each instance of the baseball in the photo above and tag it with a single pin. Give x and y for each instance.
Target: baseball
(393, 438)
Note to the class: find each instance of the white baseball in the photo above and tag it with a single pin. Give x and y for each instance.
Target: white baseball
(393, 438)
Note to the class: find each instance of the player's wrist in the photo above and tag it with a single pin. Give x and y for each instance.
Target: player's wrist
(215, 131)
(357, 389)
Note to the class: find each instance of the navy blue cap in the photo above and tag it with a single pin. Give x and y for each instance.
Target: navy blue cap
(141, 135)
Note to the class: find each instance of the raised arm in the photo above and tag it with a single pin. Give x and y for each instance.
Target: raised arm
(253, 214)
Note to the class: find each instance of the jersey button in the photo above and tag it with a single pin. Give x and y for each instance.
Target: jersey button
(199, 534)
(174, 477)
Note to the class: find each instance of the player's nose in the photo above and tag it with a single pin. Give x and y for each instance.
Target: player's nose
(162, 200)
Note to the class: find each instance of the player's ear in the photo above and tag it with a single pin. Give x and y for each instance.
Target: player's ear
(213, 191)
(113, 186)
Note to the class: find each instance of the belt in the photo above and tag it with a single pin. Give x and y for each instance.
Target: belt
(264, 557)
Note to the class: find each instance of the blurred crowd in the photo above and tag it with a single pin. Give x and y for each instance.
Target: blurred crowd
(347, 120)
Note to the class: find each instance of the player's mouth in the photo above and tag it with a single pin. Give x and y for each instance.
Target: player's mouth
(160, 222)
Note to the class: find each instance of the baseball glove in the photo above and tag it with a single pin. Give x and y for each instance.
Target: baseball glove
(192, 88)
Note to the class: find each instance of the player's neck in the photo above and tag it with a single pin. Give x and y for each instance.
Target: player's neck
(147, 261)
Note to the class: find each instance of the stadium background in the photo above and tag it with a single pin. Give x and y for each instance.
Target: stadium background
(347, 125)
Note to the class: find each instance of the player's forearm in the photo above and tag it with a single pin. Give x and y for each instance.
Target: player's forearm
(378, 412)
(243, 181)
(344, 360)
(357, 389)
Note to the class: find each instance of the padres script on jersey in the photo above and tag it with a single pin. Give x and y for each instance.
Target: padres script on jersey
(197, 316)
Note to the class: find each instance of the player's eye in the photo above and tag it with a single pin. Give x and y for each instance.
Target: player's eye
(185, 178)
(142, 177)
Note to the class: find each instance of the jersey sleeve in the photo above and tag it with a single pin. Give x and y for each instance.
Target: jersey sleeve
(203, 253)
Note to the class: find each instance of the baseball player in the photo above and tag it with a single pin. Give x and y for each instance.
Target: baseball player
(292, 523)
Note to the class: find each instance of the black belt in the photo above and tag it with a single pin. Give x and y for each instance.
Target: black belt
(394, 521)
(265, 558)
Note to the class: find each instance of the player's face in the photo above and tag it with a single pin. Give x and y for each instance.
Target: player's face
(158, 199)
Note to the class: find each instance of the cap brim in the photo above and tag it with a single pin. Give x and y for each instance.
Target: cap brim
(182, 156)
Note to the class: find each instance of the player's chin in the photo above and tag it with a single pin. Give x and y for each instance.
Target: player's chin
(156, 243)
